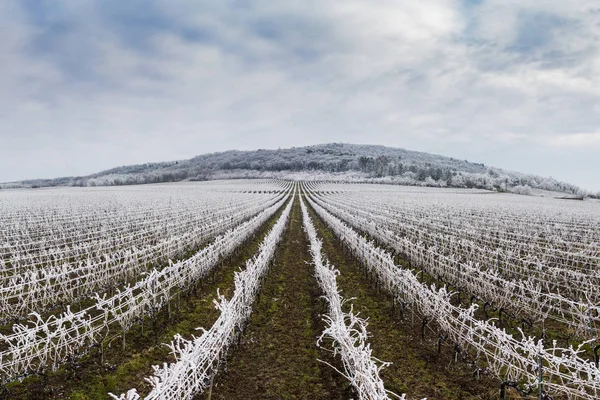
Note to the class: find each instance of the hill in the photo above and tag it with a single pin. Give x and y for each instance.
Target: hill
(333, 161)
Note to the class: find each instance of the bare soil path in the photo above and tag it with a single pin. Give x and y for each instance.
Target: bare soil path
(278, 356)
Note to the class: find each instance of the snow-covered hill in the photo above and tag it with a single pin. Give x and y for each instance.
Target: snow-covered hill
(335, 161)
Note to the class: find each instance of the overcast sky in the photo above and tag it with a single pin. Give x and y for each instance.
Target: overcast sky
(86, 86)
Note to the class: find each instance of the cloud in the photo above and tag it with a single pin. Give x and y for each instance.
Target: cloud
(577, 140)
(96, 85)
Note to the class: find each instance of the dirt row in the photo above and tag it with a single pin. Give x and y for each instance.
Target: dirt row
(277, 358)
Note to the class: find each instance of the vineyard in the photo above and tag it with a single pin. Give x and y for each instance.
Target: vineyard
(268, 289)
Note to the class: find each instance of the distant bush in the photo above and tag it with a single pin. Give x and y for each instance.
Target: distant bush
(522, 189)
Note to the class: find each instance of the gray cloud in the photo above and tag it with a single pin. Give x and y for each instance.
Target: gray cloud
(89, 85)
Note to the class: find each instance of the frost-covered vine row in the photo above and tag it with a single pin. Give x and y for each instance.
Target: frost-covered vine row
(197, 359)
(507, 357)
(46, 343)
(540, 248)
(526, 232)
(348, 331)
(53, 283)
(524, 298)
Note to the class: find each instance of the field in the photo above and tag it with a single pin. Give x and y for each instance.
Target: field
(264, 289)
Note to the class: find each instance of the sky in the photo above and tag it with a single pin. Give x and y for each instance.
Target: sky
(90, 85)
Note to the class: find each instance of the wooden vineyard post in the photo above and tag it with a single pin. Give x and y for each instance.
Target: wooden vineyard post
(212, 380)
(595, 347)
(541, 377)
